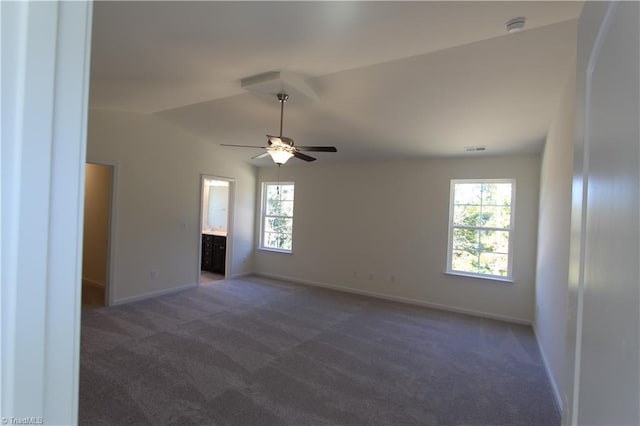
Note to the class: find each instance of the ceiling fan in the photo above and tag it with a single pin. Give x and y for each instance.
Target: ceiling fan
(281, 148)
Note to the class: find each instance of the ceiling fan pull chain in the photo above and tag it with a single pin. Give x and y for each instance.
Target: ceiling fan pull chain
(278, 186)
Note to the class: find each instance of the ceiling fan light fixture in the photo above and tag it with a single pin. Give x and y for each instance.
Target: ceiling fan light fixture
(279, 154)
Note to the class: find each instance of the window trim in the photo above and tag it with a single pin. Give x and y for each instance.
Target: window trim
(263, 217)
(511, 230)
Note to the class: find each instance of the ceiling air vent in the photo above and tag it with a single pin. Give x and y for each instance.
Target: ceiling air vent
(516, 25)
(475, 148)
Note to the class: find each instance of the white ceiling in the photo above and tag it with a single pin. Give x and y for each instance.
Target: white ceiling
(394, 80)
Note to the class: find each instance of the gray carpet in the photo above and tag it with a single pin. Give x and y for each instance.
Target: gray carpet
(262, 352)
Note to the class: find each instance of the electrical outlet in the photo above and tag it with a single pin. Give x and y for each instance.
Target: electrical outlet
(154, 275)
(355, 274)
(371, 276)
(392, 279)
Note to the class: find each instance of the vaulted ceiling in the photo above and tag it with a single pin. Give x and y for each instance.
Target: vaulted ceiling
(394, 80)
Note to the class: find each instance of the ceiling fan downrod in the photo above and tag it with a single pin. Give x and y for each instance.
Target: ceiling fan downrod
(282, 98)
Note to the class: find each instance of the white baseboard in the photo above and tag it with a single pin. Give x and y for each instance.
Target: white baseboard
(130, 299)
(398, 299)
(92, 283)
(554, 385)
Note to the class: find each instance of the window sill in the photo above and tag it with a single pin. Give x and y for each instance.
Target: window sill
(275, 250)
(481, 277)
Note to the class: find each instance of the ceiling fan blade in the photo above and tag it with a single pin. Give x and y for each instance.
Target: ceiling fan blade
(259, 156)
(302, 156)
(318, 148)
(244, 146)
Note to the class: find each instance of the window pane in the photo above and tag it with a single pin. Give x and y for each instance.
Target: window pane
(504, 194)
(279, 225)
(287, 192)
(464, 261)
(277, 241)
(496, 216)
(467, 193)
(272, 192)
(465, 239)
(466, 215)
(494, 264)
(470, 216)
(286, 208)
(279, 208)
(277, 192)
(270, 240)
(496, 194)
(273, 207)
(494, 241)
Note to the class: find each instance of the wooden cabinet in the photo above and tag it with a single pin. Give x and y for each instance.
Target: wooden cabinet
(214, 253)
(219, 253)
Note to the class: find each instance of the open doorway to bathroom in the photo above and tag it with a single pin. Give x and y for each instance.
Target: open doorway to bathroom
(96, 236)
(217, 195)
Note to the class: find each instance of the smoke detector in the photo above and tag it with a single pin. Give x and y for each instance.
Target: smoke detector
(516, 24)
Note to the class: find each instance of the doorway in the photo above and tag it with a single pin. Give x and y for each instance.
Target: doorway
(96, 235)
(215, 228)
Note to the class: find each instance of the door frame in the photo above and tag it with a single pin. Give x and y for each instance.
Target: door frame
(109, 293)
(44, 142)
(230, 215)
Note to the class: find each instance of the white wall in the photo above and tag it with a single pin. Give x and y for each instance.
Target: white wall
(552, 270)
(391, 219)
(157, 196)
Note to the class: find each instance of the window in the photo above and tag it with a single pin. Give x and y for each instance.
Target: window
(277, 216)
(480, 228)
